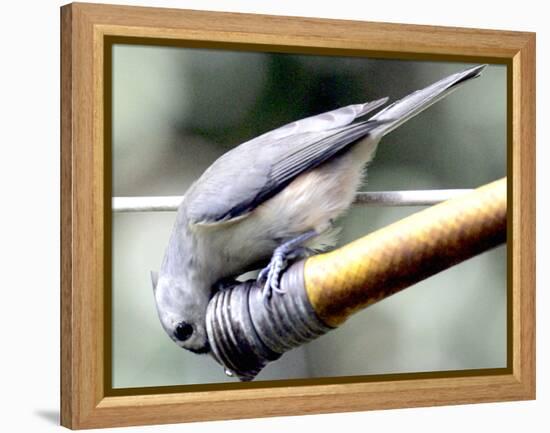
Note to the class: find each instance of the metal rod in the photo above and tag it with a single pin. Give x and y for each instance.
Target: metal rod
(426, 197)
(146, 204)
(372, 198)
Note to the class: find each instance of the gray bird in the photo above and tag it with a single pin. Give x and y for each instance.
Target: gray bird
(274, 196)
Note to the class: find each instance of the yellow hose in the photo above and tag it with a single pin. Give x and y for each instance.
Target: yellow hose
(378, 265)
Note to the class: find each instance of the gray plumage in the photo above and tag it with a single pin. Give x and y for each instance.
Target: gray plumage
(271, 161)
(271, 189)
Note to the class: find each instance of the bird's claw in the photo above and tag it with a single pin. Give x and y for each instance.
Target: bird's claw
(271, 275)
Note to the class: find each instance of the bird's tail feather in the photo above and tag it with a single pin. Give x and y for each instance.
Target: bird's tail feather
(400, 111)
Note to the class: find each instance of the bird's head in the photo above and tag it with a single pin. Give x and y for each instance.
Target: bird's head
(182, 309)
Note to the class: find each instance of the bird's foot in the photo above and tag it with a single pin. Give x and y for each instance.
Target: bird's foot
(290, 250)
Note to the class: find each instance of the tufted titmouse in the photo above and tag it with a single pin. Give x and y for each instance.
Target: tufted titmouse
(273, 196)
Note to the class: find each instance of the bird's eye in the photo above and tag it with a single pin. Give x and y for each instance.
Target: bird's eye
(183, 331)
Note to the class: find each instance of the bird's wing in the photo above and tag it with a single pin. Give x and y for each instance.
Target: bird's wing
(255, 171)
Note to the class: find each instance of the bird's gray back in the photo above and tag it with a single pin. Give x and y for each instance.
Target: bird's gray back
(254, 171)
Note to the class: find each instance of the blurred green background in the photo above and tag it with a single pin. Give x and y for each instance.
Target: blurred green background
(175, 110)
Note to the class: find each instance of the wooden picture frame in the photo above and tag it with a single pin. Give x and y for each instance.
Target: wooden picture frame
(86, 398)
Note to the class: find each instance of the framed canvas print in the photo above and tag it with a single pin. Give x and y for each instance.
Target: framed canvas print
(310, 215)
